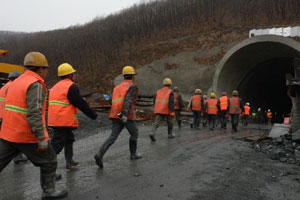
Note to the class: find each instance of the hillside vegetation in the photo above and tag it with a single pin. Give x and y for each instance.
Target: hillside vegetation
(145, 32)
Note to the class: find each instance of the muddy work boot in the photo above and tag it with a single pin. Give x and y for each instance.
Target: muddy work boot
(98, 161)
(20, 158)
(71, 165)
(170, 133)
(49, 190)
(132, 147)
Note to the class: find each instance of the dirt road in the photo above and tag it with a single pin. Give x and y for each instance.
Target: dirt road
(195, 165)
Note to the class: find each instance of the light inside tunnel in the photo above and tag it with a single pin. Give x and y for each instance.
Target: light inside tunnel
(257, 68)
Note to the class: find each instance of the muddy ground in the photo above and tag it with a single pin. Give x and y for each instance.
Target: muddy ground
(195, 165)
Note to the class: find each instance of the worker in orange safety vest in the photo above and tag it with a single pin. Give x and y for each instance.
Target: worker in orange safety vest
(164, 109)
(212, 110)
(246, 114)
(235, 109)
(122, 114)
(197, 105)
(223, 106)
(269, 117)
(26, 105)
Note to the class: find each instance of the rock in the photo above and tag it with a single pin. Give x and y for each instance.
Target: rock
(283, 159)
(296, 136)
(257, 148)
(291, 161)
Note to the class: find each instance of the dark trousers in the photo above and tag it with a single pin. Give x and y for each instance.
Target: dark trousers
(178, 117)
(63, 137)
(234, 121)
(223, 119)
(246, 118)
(212, 121)
(158, 119)
(117, 127)
(205, 118)
(196, 118)
(45, 160)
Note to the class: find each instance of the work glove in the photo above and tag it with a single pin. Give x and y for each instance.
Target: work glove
(42, 145)
(124, 119)
(172, 114)
(188, 110)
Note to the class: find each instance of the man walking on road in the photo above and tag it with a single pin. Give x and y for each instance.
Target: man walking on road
(223, 106)
(64, 102)
(122, 114)
(246, 114)
(26, 105)
(212, 110)
(235, 109)
(196, 104)
(178, 106)
(164, 109)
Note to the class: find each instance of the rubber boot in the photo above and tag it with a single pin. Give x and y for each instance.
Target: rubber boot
(71, 164)
(179, 124)
(170, 133)
(48, 186)
(99, 157)
(152, 135)
(132, 147)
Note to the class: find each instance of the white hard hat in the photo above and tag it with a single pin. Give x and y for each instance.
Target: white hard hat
(269, 110)
(248, 104)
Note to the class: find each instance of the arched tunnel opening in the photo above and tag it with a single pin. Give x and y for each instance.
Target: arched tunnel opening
(257, 68)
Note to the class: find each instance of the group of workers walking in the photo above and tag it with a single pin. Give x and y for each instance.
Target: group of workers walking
(24, 127)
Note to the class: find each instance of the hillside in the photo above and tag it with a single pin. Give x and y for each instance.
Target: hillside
(148, 32)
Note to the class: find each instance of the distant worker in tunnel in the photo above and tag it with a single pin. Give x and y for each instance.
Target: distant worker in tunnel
(196, 104)
(235, 109)
(260, 116)
(122, 114)
(246, 114)
(178, 106)
(24, 124)
(205, 117)
(164, 109)
(64, 102)
(269, 117)
(223, 105)
(212, 110)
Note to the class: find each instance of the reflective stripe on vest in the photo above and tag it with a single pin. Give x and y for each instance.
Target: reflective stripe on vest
(118, 100)
(3, 92)
(176, 102)
(212, 107)
(247, 110)
(235, 106)
(161, 105)
(196, 102)
(61, 113)
(15, 126)
(224, 103)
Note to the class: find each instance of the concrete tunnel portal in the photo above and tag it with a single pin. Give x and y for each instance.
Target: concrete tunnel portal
(257, 68)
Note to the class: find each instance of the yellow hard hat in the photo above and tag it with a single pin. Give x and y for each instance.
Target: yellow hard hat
(235, 93)
(65, 69)
(35, 59)
(212, 95)
(167, 81)
(198, 91)
(128, 70)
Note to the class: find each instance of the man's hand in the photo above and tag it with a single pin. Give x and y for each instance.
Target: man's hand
(124, 119)
(42, 145)
(172, 114)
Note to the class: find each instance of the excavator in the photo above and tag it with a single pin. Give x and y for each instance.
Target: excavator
(5, 68)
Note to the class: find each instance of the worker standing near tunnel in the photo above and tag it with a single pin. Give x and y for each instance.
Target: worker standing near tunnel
(164, 109)
(122, 114)
(24, 124)
(196, 104)
(269, 117)
(246, 114)
(223, 106)
(235, 109)
(212, 110)
(64, 102)
(178, 106)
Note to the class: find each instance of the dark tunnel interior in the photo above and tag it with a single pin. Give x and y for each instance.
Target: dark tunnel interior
(265, 87)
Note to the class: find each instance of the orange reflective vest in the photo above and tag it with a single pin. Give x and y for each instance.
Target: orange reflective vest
(212, 108)
(161, 105)
(176, 101)
(15, 127)
(3, 92)
(118, 100)
(224, 103)
(269, 115)
(61, 112)
(247, 110)
(196, 103)
(235, 106)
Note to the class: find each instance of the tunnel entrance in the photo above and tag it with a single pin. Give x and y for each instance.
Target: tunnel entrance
(257, 68)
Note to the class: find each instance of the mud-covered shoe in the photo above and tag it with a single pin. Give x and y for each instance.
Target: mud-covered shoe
(58, 177)
(152, 138)
(55, 194)
(71, 165)
(98, 161)
(135, 156)
(170, 136)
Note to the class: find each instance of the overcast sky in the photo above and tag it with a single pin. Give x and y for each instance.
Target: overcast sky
(43, 15)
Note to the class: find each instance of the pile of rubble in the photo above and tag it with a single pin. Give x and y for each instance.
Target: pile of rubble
(285, 148)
